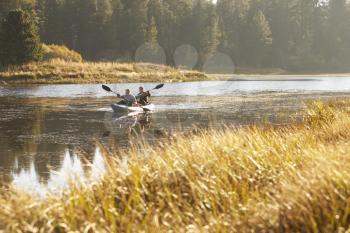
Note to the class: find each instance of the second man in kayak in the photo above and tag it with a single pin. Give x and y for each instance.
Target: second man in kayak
(143, 96)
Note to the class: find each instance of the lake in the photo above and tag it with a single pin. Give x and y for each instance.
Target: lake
(49, 132)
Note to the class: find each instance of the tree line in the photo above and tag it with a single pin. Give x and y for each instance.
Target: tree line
(290, 34)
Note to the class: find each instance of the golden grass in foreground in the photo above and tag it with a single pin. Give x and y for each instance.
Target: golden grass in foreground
(289, 179)
(59, 71)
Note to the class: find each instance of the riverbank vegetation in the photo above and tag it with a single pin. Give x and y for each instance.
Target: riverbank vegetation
(60, 52)
(297, 36)
(259, 179)
(63, 72)
(25, 60)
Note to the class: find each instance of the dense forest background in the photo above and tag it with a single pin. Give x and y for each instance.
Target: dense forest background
(298, 35)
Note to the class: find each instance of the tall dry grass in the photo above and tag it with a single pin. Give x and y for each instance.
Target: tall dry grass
(60, 71)
(284, 179)
(52, 52)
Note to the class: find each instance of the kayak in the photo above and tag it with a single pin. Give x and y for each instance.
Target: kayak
(118, 108)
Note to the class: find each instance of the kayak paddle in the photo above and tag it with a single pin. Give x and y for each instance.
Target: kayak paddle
(106, 88)
(158, 87)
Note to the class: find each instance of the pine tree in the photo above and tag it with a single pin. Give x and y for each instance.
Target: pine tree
(279, 33)
(19, 38)
(53, 28)
(93, 19)
(113, 27)
(5, 6)
(278, 16)
(134, 27)
(338, 27)
(155, 10)
(232, 18)
(213, 30)
(40, 11)
(175, 27)
(103, 17)
(68, 23)
(200, 34)
(256, 38)
(152, 32)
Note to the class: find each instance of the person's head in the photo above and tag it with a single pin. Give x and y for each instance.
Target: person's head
(127, 92)
(140, 89)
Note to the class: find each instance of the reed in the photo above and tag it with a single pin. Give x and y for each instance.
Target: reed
(253, 179)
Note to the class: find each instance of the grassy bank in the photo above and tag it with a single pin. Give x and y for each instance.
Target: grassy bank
(58, 71)
(284, 179)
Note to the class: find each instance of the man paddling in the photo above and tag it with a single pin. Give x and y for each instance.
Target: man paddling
(143, 96)
(127, 99)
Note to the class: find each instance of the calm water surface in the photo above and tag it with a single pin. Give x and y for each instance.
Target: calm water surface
(49, 133)
(209, 88)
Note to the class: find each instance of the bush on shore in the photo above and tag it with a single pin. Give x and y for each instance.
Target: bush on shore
(19, 39)
(51, 52)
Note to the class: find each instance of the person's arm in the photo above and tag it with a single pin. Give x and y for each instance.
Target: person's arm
(140, 95)
(133, 99)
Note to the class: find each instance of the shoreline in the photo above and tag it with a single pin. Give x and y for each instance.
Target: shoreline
(61, 72)
(273, 77)
(28, 81)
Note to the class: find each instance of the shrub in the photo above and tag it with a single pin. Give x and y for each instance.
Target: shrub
(19, 39)
(60, 52)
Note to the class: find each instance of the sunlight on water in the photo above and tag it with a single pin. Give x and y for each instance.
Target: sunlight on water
(98, 166)
(207, 88)
(72, 170)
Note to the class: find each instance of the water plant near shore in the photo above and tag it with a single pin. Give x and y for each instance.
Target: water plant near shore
(286, 179)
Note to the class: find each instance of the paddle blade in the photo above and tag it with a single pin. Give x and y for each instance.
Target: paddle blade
(106, 88)
(159, 86)
(145, 109)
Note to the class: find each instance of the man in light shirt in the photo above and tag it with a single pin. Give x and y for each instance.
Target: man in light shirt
(127, 99)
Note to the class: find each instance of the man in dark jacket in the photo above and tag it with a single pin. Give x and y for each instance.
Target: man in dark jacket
(143, 96)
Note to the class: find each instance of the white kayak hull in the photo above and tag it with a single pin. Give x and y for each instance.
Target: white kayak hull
(117, 108)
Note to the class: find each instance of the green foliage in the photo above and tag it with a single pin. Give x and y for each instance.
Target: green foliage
(51, 52)
(205, 35)
(299, 35)
(258, 38)
(134, 27)
(152, 32)
(19, 39)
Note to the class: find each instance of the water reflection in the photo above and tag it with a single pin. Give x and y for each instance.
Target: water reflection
(58, 182)
(134, 123)
(42, 135)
